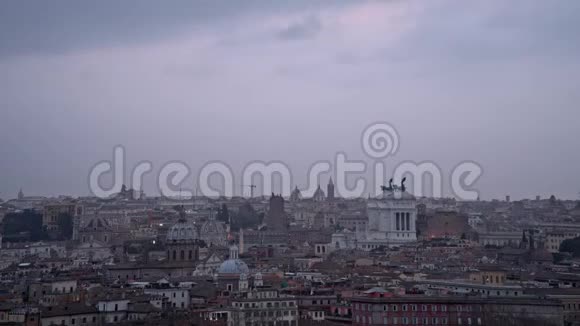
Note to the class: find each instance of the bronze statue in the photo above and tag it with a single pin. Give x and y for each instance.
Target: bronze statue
(390, 187)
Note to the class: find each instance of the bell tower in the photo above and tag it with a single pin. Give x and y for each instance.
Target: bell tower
(330, 190)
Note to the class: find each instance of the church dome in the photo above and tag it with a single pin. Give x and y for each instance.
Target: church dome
(319, 194)
(213, 232)
(182, 231)
(295, 195)
(233, 265)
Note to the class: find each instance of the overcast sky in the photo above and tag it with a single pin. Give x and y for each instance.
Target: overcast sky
(495, 82)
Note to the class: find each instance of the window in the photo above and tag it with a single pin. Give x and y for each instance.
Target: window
(395, 307)
(116, 307)
(435, 320)
(405, 307)
(443, 308)
(395, 321)
(433, 307)
(414, 307)
(385, 308)
(397, 221)
(424, 308)
(405, 320)
(444, 320)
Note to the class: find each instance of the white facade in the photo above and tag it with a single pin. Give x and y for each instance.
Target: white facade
(177, 297)
(391, 222)
(392, 218)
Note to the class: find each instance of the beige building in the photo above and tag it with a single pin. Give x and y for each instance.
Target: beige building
(555, 238)
(264, 307)
(489, 275)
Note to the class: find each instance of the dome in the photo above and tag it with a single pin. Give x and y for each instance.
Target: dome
(295, 195)
(182, 231)
(213, 232)
(213, 228)
(233, 266)
(319, 194)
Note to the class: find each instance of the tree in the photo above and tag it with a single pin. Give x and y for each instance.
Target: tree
(26, 225)
(572, 246)
(246, 217)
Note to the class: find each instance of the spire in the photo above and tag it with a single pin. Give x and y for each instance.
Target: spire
(20, 194)
(330, 190)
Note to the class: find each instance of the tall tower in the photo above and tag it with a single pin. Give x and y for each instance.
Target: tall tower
(330, 190)
(20, 194)
(276, 219)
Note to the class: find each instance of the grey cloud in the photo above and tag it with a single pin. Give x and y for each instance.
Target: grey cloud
(37, 27)
(255, 99)
(307, 28)
(456, 33)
